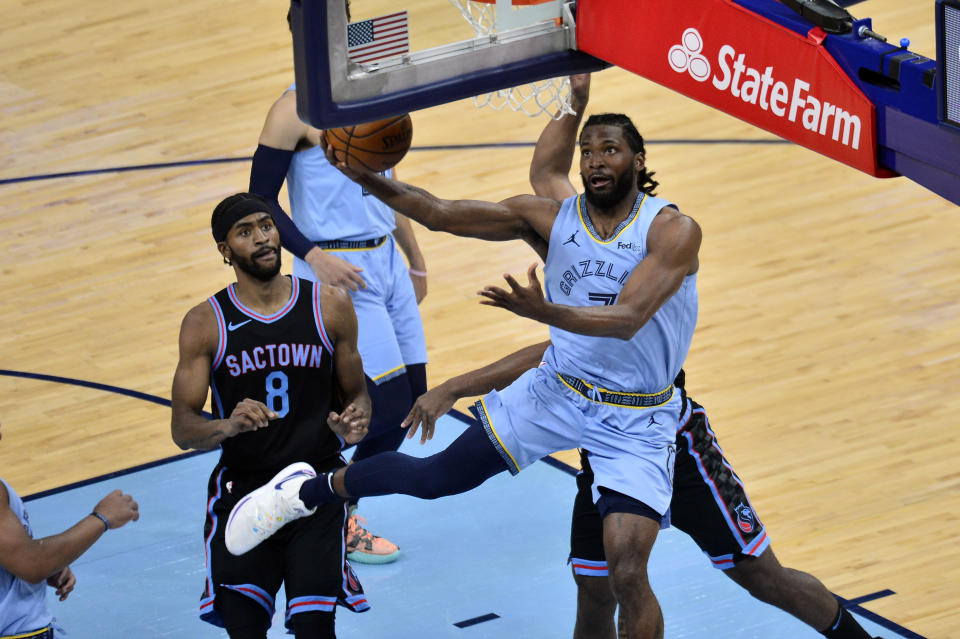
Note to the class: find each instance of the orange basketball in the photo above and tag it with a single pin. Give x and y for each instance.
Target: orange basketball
(376, 146)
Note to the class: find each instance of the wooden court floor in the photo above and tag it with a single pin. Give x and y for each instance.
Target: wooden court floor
(828, 345)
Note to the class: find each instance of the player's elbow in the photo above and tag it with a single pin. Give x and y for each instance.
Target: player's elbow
(34, 568)
(629, 326)
(625, 333)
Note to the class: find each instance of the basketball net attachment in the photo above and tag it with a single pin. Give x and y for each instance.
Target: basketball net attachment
(552, 96)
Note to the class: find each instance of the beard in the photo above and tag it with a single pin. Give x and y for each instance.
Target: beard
(252, 268)
(606, 200)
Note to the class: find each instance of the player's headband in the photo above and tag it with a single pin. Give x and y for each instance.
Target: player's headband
(237, 212)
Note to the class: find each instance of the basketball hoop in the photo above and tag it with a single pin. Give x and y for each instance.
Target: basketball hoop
(544, 96)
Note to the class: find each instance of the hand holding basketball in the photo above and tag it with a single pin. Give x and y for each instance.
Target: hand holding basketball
(373, 146)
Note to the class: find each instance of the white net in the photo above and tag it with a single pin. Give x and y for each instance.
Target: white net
(550, 97)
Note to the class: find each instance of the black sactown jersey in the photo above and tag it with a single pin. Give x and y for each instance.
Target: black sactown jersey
(285, 361)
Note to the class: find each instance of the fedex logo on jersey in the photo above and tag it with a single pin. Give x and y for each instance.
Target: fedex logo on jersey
(722, 54)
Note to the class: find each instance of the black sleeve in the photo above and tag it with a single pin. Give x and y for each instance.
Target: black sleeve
(267, 174)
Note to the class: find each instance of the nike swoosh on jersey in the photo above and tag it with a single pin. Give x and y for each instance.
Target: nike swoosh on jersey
(232, 327)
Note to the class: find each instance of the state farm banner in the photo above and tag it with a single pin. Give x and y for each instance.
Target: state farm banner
(730, 58)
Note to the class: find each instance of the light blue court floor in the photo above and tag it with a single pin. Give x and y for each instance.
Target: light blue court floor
(492, 560)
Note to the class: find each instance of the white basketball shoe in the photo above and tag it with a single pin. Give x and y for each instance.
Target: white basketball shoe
(267, 509)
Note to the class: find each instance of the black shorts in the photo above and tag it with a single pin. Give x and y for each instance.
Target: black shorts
(307, 556)
(709, 503)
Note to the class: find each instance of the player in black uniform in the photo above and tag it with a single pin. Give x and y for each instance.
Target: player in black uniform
(280, 355)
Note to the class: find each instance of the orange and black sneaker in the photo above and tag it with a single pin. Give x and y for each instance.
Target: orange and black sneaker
(366, 548)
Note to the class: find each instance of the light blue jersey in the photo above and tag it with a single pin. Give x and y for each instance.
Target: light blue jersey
(23, 606)
(583, 270)
(325, 205)
(613, 397)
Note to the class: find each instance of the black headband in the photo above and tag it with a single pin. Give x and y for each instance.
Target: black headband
(238, 211)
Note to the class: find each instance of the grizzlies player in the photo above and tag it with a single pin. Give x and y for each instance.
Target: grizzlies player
(709, 502)
(280, 356)
(343, 236)
(621, 302)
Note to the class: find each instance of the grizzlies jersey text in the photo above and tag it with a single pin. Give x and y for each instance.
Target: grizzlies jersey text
(285, 361)
(583, 270)
(326, 205)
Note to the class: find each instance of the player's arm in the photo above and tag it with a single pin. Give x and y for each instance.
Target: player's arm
(673, 243)
(407, 241)
(553, 155)
(34, 560)
(199, 339)
(525, 217)
(282, 133)
(340, 320)
(436, 402)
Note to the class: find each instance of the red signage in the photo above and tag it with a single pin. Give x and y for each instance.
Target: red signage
(732, 59)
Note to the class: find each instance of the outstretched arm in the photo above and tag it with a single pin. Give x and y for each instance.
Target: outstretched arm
(34, 560)
(436, 402)
(672, 247)
(188, 426)
(282, 133)
(553, 155)
(340, 320)
(524, 217)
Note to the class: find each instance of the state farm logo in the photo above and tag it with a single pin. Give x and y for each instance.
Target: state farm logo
(686, 56)
(762, 89)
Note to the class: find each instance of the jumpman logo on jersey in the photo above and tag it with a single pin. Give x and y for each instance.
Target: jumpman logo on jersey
(653, 421)
(573, 238)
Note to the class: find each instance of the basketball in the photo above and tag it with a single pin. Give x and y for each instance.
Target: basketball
(375, 146)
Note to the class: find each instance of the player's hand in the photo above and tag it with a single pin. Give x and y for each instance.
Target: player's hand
(579, 91)
(339, 163)
(63, 581)
(525, 301)
(118, 509)
(351, 424)
(334, 270)
(428, 408)
(249, 415)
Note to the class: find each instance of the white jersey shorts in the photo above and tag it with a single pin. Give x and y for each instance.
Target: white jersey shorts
(390, 329)
(632, 448)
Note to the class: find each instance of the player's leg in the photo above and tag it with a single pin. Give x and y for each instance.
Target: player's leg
(239, 592)
(711, 505)
(796, 592)
(596, 604)
(519, 425)
(629, 530)
(631, 452)
(388, 385)
(400, 336)
(316, 575)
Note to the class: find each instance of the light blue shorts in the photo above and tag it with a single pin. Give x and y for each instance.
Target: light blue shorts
(632, 449)
(390, 329)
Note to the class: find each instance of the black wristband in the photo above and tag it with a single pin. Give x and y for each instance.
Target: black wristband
(106, 524)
